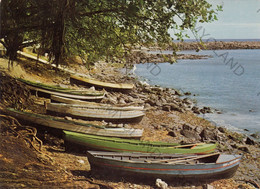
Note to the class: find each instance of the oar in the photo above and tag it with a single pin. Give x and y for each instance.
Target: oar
(194, 158)
(168, 160)
(187, 158)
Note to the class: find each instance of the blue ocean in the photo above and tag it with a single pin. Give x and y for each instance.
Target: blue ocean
(228, 81)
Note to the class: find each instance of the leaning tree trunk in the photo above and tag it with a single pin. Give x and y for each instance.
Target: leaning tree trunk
(13, 41)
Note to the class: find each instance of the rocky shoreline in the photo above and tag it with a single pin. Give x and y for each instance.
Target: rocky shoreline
(217, 45)
(160, 55)
(166, 101)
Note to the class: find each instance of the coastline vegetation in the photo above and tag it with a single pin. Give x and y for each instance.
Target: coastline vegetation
(95, 30)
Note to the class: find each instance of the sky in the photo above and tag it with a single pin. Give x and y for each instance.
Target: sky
(240, 19)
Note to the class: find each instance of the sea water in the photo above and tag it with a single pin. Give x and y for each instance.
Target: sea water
(228, 81)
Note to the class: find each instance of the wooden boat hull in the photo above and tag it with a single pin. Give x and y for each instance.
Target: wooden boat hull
(224, 167)
(101, 84)
(90, 113)
(94, 105)
(124, 145)
(74, 94)
(53, 122)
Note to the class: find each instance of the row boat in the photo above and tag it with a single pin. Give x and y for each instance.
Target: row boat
(64, 92)
(165, 166)
(101, 84)
(86, 112)
(126, 145)
(68, 125)
(94, 105)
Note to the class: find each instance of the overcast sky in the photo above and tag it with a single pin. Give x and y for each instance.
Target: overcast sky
(240, 19)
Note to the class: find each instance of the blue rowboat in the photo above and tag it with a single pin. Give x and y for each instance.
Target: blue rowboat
(166, 166)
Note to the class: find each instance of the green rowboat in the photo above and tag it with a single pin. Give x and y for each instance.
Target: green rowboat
(126, 145)
(63, 92)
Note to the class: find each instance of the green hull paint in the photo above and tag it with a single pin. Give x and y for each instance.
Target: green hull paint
(124, 145)
(62, 89)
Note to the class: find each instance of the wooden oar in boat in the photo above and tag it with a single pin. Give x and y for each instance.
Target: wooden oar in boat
(183, 159)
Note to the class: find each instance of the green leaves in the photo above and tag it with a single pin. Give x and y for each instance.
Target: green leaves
(103, 29)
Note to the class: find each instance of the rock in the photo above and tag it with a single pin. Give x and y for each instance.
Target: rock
(176, 92)
(187, 101)
(121, 101)
(172, 133)
(195, 110)
(190, 134)
(157, 89)
(199, 129)
(187, 127)
(103, 122)
(147, 106)
(187, 93)
(243, 148)
(68, 118)
(175, 107)
(221, 129)
(250, 141)
(208, 135)
(120, 125)
(255, 135)
(164, 101)
(166, 108)
(146, 89)
(205, 110)
(161, 184)
(81, 161)
(208, 186)
(110, 124)
(158, 103)
(92, 88)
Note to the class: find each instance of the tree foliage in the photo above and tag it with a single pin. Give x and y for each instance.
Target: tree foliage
(94, 29)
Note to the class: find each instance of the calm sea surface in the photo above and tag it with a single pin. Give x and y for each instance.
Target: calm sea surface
(228, 81)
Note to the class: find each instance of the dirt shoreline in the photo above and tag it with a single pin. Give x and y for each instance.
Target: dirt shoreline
(168, 118)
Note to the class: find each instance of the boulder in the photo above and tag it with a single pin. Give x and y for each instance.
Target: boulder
(186, 126)
(187, 93)
(190, 134)
(250, 141)
(161, 184)
(244, 149)
(172, 133)
(166, 108)
(199, 129)
(195, 110)
(175, 107)
(208, 134)
(222, 129)
(187, 101)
